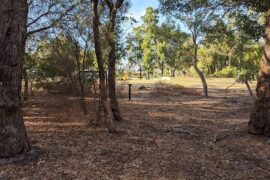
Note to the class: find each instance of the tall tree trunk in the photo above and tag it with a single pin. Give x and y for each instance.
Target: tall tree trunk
(162, 69)
(259, 122)
(13, 15)
(102, 87)
(200, 74)
(173, 69)
(140, 71)
(83, 101)
(31, 93)
(79, 77)
(112, 60)
(26, 86)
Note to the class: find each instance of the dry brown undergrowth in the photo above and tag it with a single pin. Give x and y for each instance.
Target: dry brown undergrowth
(149, 145)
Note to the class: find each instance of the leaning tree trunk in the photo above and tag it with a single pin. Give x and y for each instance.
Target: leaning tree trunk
(112, 60)
(200, 74)
(259, 122)
(13, 15)
(102, 87)
(249, 89)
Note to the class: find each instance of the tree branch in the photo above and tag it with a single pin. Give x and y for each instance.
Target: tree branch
(109, 4)
(56, 21)
(118, 3)
(42, 15)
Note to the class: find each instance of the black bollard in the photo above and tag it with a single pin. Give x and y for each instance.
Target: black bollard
(129, 92)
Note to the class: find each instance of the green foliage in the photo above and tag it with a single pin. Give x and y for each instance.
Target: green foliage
(59, 64)
(227, 72)
(245, 75)
(157, 47)
(149, 42)
(57, 58)
(202, 68)
(173, 50)
(246, 13)
(249, 65)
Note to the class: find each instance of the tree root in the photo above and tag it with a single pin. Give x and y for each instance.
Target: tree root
(23, 158)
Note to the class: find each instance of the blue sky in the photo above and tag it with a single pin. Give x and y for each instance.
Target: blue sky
(137, 10)
(138, 7)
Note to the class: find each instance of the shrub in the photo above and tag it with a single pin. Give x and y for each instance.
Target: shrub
(161, 88)
(64, 87)
(227, 72)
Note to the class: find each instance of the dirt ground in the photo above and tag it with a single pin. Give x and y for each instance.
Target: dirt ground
(162, 136)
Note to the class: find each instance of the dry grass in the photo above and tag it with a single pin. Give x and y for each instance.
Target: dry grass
(192, 82)
(161, 88)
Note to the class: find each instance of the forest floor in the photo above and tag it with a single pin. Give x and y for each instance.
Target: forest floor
(164, 135)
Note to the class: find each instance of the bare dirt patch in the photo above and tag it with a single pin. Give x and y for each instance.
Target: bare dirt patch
(162, 137)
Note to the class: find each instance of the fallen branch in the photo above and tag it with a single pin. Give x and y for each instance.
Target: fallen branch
(219, 137)
(180, 130)
(174, 129)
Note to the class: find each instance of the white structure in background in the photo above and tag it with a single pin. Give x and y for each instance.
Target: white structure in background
(165, 78)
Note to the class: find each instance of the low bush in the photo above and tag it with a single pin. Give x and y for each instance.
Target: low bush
(227, 72)
(161, 88)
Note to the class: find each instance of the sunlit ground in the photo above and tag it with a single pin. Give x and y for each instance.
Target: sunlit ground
(194, 82)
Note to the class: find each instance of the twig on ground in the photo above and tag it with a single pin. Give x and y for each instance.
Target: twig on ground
(174, 129)
(219, 137)
(180, 130)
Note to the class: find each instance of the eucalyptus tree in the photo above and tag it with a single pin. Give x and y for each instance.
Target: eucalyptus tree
(133, 49)
(13, 139)
(149, 42)
(114, 8)
(252, 24)
(100, 61)
(254, 15)
(195, 20)
(161, 48)
(173, 49)
(259, 119)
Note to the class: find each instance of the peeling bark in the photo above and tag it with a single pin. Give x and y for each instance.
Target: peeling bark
(260, 117)
(102, 84)
(112, 60)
